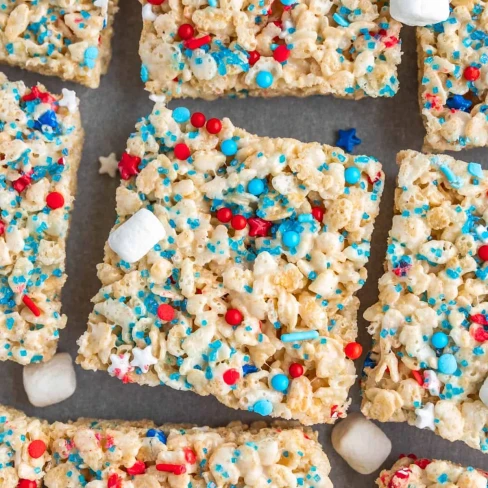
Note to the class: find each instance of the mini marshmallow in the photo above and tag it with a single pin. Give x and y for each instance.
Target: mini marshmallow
(51, 382)
(136, 236)
(484, 392)
(419, 12)
(361, 443)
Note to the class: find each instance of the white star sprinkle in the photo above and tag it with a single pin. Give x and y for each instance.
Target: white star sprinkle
(103, 4)
(108, 165)
(69, 100)
(432, 382)
(157, 98)
(147, 13)
(119, 365)
(425, 417)
(143, 358)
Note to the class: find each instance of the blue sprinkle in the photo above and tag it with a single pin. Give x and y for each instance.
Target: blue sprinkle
(440, 340)
(447, 364)
(280, 382)
(228, 147)
(264, 79)
(181, 115)
(157, 433)
(255, 187)
(475, 169)
(352, 175)
(347, 140)
(263, 407)
(300, 336)
(90, 55)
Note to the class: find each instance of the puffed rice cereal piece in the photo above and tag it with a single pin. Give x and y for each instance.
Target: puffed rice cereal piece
(109, 453)
(65, 38)
(250, 296)
(413, 472)
(429, 359)
(347, 48)
(41, 140)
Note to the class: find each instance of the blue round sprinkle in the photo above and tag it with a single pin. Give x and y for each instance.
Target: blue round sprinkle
(288, 2)
(280, 382)
(181, 115)
(439, 340)
(447, 364)
(255, 187)
(291, 238)
(228, 147)
(263, 407)
(352, 175)
(264, 79)
(157, 433)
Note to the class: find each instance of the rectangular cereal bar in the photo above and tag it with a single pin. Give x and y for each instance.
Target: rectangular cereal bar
(270, 48)
(40, 146)
(429, 361)
(65, 38)
(412, 472)
(233, 267)
(109, 453)
(453, 57)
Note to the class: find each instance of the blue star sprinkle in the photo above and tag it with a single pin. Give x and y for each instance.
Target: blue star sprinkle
(347, 140)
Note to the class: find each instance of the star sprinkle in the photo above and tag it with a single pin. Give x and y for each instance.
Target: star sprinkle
(143, 358)
(69, 100)
(259, 227)
(108, 165)
(432, 382)
(347, 140)
(425, 417)
(119, 365)
(129, 166)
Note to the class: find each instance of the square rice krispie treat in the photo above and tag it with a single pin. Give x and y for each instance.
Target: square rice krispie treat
(233, 266)
(412, 472)
(453, 78)
(347, 48)
(118, 454)
(40, 149)
(65, 38)
(429, 362)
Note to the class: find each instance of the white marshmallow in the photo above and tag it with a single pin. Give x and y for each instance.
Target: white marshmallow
(425, 417)
(148, 14)
(362, 444)
(51, 382)
(484, 392)
(419, 12)
(136, 236)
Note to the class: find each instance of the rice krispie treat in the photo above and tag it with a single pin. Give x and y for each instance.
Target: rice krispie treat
(40, 146)
(347, 48)
(117, 454)
(454, 78)
(412, 472)
(429, 362)
(233, 267)
(65, 38)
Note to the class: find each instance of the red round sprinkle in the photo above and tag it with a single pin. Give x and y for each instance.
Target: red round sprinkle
(128, 166)
(471, 73)
(166, 312)
(353, 350)
(182, 151)
(253, 57)
(171, 468)
(483, 253)
(198, 120)
(281, 53)
(138, 467)
(224, 215)
(214, 126)
(186, 31)
(190, 456)
(114, 481)
(318, 213)
(233, 316)
(295, 370)
(36, 448)
(2, 227)
(231, 376)
(54, 200)
(31, 306)
(238, 222)
(27, 484)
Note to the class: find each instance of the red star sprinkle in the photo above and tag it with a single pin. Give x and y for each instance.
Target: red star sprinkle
(259, 227)
(44, 97)
(20, 184)
(129, 166)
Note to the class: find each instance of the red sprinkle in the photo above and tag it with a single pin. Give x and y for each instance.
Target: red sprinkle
(61, 161)
(186, 31)
(36, 448)
(353, 350)
(318, 213)
(471, 73)
(422, 463)
(254, 57)
(129, 166)
(20, 184)
(238, 222)
(155, 2)
(54, 200)
(166, 312)
(231, 376)
(483, 253)
(418, 377)
(2, 227)
(44, 97)
(190, 456)
(31, 306)
(139, 467)
(478, 319)
(182, 151)
(224, 215)
(233, 316)
(479, 334)
(295, 370)
(259, 227)
(214, 126)
(196, 43)
(27, 484)
(198, 120)
(114, 481)
(172, 468)
(281, 53)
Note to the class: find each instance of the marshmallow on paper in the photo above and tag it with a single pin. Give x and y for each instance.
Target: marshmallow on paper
(136, 236)
(419, 12)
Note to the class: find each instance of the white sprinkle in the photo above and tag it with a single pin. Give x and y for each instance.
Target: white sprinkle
(69, 100)
(432, 382)
(147, 13)
(157, 98)
(143, 358)
(119, 365)
(108, 165)
(425, 417)
(103, 4)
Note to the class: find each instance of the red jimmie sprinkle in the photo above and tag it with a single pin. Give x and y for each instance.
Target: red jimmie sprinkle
(155, 2)
(418, 377)
(172, 468)
(186, 31)
(114, 481)
(54, 200)
(231, 377)
(190, 456)
(20, 184)
(196, 43)
(138, 467)
(129, 166)
(31, 306)
(36, 449)
(27, 484)
(318, 213)
(2, 227)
